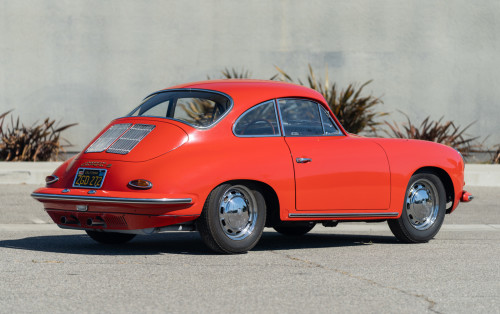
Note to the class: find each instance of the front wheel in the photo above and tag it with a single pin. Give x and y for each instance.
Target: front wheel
(110, 237)
(423, 210)
(233, 218)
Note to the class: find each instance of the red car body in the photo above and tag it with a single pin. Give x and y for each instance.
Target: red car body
(302, 178)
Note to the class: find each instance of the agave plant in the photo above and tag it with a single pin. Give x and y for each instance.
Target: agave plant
(496, 157)
(39, 142)
(446, 133)
(355, 111)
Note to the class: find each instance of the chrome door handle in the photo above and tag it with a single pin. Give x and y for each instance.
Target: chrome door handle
(303, 160)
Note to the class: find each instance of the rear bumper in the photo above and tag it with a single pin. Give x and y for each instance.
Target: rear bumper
(115, 210)
(114, 221)
(107, 199)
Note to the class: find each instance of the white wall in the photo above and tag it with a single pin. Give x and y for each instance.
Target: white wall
(90, 61)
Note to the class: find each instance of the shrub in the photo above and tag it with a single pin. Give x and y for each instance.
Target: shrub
(354, 111)
(496, 157)
(39, 142)
(446, 133)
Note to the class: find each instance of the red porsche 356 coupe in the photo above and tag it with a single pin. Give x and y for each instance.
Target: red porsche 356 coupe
(228, 158)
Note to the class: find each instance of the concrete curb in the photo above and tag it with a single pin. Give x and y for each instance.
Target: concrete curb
(35, 173)
(482, 175)
(26, 172)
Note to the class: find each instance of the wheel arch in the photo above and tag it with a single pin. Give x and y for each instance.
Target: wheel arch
(270, 197)
(445, 179)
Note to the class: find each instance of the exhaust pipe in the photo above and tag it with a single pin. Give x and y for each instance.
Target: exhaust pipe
(98, 221)
(69, 221)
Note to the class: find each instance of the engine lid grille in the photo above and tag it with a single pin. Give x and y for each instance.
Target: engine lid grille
(120, 138)
(106, 139)
(130, 139)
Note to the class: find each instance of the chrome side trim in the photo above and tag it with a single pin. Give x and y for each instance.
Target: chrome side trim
(120, 200)
(341, 215)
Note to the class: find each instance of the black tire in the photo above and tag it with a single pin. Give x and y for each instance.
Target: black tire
(294, 228)
(110, 237)
(420, 220)
(233, 218)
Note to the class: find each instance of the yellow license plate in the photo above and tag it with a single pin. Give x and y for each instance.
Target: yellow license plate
(89, 178)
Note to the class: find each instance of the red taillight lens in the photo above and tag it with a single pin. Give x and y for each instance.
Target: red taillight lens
(51, 179)
(140, 184)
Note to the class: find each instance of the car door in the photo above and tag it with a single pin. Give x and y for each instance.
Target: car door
(332, 171)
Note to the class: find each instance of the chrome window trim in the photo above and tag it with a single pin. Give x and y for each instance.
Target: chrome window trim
(319, 108)
(331, 119)
(229, 108)
(119, 200)
(341, 215)
(251, 108)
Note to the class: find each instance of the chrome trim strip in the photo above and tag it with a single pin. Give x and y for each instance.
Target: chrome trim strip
(341, 215)
(120, 200)
(229, 108)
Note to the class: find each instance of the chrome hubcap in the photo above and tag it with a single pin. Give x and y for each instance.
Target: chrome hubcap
(422, 204)
(237, 212)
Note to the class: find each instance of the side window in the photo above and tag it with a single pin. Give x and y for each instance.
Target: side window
(300, 117)
(328, 124)
(260, 120)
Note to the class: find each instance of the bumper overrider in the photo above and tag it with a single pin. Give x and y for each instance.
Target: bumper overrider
(115, 211)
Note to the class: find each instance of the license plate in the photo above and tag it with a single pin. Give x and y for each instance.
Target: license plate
(89, 178)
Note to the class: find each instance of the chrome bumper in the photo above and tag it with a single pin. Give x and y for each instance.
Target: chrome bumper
(117, 200)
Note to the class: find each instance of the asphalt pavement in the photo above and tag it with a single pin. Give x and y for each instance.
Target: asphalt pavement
(355, 267)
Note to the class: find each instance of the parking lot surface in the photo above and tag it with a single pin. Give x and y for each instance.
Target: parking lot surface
(355, 267)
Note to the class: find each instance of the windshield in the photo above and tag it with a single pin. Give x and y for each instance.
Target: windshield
(194, 107)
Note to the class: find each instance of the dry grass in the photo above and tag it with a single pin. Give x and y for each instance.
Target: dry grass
(39, 142)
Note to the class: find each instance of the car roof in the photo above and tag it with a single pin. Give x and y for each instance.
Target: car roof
(246, 93)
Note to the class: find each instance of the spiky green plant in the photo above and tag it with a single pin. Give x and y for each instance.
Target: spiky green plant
(39, 142)
(439, 131)
(236, 74)
(355, 111)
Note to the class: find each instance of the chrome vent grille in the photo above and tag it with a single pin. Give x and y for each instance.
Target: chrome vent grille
(106, 139)
(130, 139)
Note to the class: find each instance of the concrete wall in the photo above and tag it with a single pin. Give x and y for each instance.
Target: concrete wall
(89, 61)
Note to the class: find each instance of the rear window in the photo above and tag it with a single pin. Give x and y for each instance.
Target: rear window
(197, 108)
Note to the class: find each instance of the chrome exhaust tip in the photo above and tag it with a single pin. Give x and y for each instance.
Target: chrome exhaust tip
(97, 221)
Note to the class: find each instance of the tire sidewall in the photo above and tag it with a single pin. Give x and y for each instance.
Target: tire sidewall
(222, 240)
(425, 235)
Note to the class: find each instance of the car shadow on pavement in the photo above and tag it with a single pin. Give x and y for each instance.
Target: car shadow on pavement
(277, 242)
(184, 243)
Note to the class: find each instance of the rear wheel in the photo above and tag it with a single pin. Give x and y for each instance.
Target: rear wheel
(294, 228)
(110, 237)
(423, 211)
(233, 218)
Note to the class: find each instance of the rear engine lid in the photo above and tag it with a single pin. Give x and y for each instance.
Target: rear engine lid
(135, 139)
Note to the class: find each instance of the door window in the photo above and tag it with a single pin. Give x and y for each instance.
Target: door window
(260, 120)
(301, 117)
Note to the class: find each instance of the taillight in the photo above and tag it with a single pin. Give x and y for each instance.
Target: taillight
(51, 179)
(140, 184)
